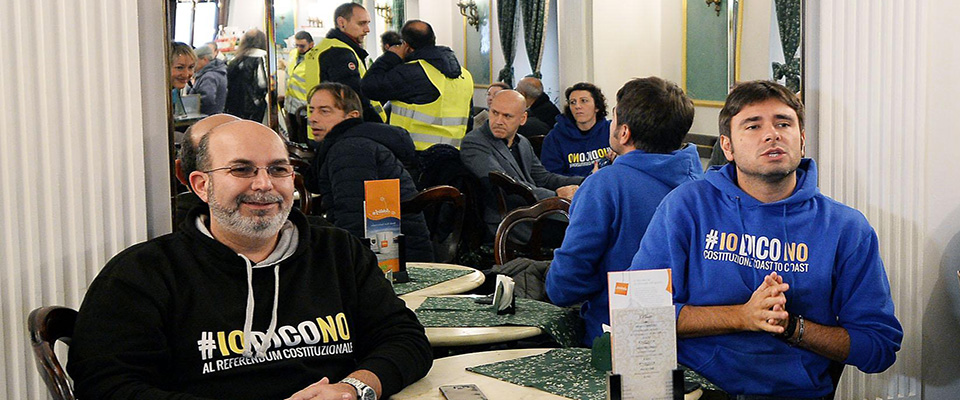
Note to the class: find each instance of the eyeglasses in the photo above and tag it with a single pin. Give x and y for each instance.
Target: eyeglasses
(250, 171)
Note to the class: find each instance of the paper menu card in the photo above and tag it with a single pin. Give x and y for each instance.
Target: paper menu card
(643, 334)
(382, 221)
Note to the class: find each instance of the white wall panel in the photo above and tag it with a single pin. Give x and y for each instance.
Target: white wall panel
(71, 160)
(872, 93)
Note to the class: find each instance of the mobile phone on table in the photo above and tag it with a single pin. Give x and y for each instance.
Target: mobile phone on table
(467, 391)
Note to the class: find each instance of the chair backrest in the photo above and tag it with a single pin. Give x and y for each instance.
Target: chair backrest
(537, 142)
(506, 186)
(535, 213)
(46, 326)
(446, 225)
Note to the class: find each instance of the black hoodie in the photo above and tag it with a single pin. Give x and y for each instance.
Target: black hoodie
(163, 320)
(353, 152)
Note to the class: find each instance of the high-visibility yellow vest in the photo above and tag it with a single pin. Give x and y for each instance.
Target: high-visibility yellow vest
(445, 119)
(329, 43)
(303, 76)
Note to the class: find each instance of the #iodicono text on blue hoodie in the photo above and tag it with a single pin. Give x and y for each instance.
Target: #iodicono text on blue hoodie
(608, 217)
(720, 244)
(568, 151)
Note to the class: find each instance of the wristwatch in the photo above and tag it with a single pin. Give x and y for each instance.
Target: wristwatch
(364, 392)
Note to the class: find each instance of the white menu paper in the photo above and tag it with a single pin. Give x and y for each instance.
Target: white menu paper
(643, 337)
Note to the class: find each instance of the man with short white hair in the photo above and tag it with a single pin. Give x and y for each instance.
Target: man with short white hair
(248, 301)
(210, 82)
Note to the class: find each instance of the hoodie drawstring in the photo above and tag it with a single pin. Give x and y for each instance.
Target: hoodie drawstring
(248, 320)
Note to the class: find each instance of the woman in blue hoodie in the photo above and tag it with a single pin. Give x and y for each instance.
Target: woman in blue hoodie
(580, 139)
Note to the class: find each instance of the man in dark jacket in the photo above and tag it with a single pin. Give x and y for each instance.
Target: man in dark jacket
(210, 82)
(342, 57)
(352, 151)
(496, 146)
(414, 77)
(247, 300)
(539, 105)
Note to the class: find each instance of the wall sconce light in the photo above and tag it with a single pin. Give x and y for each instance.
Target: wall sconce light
(386, 12)
(469, 11)
(717, 3)
(315, 22)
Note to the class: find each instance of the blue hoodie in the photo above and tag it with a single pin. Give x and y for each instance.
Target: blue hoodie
(608, 216)
(720, 243)
(567, 151)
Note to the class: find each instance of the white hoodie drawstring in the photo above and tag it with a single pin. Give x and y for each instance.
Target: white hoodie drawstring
(248, 320)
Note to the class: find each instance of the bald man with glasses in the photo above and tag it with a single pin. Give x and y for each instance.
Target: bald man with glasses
(248, 300)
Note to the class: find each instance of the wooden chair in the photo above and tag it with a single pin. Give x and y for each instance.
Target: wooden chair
(506, 186)
(309, 203)
(445, 247)
(506, 250)
(47, 325)
(537, 142)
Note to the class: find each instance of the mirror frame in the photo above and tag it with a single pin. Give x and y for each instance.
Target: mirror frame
(466, 49)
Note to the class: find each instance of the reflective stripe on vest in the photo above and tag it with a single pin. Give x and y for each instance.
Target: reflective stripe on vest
(303, 76)
(445, 119)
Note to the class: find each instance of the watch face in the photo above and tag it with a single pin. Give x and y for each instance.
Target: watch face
(368, 394)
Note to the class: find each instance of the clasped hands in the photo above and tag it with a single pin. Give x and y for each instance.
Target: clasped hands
(766, 309)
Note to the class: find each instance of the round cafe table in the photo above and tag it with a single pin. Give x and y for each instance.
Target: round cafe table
(452, 371)
(454, 286)
(468, 336)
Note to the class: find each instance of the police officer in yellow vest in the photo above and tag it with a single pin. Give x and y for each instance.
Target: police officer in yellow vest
(429, 92)
(303, 73)
(341, 58)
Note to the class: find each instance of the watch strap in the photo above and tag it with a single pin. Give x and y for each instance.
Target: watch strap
(364, 391)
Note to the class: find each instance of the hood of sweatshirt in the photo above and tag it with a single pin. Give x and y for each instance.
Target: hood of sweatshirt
(441, 57)
(672, 169)
(724, 178)
(568, 130)
(293, 232)
(215, 66)
(393, 138)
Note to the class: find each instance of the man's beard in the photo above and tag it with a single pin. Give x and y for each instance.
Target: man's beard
(772, 176)
(261, 225)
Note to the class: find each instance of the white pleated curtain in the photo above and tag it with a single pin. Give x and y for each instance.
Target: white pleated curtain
(72, 190)
(872, 99)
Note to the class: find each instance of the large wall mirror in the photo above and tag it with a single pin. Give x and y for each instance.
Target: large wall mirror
(477, 41)
(726, 41)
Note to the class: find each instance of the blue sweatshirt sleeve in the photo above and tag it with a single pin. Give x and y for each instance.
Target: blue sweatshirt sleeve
(576, 274)
(550, 155)
(666, 244)
(864, 307)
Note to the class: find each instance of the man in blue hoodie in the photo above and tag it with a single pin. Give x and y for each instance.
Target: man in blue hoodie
(774, 283)
(613, 206)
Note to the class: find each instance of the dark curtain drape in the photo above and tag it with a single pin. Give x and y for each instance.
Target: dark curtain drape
(171, 18)
(399, 14)
(534, 24)
(788, 19)
(507, 19)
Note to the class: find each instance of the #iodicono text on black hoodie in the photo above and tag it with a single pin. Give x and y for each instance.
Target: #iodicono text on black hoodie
(165, 318)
